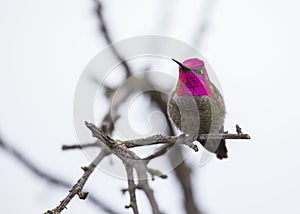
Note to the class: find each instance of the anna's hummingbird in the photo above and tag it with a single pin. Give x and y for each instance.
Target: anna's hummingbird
(196, 106)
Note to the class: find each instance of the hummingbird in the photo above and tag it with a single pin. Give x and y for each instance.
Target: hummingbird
(196, 106)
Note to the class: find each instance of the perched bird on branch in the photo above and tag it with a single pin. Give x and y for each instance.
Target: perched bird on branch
(197, 107)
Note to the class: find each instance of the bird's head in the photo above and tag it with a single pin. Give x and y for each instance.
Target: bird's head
(193, 78)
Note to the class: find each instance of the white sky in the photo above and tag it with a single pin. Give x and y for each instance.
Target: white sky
(253, 47)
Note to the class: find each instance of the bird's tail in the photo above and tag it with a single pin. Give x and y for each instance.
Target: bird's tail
(222, 151)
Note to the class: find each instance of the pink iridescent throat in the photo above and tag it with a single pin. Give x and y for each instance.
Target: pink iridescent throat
(191, 83)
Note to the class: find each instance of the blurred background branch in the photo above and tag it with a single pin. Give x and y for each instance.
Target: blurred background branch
(45, 175)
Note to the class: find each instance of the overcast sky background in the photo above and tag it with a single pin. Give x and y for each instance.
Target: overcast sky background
(253, 47)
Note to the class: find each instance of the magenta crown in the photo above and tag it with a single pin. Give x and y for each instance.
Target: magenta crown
(193, 63)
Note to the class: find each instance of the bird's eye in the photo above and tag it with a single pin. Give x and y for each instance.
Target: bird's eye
(199, 70)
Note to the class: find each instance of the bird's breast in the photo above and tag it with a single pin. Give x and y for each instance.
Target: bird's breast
(203, 113)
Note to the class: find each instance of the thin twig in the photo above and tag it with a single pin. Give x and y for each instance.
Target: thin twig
(80, 146)
(143, 184)
(77, 188)
(131, 189)
(161, 151)
(161, 139)
(155, 172)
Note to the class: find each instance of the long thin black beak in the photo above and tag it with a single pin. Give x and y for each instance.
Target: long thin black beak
(183, 67)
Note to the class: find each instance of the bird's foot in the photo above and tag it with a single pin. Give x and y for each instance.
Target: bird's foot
(188, 140)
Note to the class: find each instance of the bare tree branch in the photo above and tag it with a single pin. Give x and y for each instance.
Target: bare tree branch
(160, 139)
(130, 159)
(131, 189)
(77, 188)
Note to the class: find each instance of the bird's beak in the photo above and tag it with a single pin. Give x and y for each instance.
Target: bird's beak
(183, 67)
